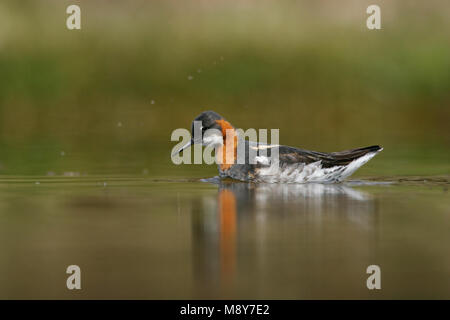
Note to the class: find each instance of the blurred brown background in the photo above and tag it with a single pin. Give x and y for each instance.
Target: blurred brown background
(105, 99)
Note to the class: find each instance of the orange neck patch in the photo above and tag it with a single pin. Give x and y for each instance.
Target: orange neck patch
(227, 153)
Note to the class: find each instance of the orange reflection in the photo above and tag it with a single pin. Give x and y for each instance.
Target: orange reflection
(227, 212)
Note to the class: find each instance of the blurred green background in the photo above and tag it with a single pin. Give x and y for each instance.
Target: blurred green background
(104, 100)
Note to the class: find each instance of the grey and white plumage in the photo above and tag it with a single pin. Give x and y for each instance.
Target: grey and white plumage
(296, 165)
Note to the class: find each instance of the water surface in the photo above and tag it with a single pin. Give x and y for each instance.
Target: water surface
(167, 238)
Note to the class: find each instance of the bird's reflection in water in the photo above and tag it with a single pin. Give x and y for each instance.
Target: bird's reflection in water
(245, 216)
(227, 231)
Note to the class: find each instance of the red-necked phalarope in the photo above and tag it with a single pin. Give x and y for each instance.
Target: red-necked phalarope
(293, 165)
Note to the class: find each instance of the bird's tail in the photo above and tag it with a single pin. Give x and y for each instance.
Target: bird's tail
(356, 158)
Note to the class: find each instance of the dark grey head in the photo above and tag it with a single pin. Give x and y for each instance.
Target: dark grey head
(205, 121)
(209, 120)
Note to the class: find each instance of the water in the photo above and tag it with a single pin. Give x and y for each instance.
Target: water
(144, 238)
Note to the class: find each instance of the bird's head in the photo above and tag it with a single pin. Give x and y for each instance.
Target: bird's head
(209, 129)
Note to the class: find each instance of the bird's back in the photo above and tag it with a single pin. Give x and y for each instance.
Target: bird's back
(295, 165)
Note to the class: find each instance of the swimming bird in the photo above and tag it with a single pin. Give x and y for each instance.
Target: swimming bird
(290, 165)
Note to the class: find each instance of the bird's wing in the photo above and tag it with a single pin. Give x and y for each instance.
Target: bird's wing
(290, 155)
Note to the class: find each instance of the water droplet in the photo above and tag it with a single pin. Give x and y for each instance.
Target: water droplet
(190, 77)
